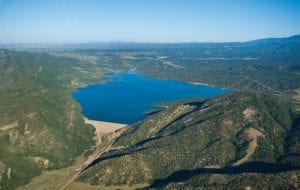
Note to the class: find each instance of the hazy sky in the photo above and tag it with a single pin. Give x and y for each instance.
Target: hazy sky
(146, 20)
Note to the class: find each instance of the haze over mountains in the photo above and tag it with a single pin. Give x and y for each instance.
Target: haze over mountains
(249, 138)
(146, 45)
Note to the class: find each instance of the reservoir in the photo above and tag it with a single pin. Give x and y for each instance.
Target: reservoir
(125, 98)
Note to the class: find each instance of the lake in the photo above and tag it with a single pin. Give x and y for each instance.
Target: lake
(126, 97)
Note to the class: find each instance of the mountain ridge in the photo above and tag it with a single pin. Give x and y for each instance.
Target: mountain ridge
(209, 135)
(125, 45)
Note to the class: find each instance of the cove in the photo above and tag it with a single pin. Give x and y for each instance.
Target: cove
(126, 97)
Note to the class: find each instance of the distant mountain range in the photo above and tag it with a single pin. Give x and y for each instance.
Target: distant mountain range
(291, 39)
(144, 45)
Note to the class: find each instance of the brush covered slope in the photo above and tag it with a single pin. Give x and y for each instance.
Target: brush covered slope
(199, 143)
(41, 127)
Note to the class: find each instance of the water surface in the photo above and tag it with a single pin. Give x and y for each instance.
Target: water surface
(127, 96)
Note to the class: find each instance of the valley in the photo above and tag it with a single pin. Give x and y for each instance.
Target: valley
(230, 140)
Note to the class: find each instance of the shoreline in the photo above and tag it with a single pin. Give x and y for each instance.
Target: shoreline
(200, 84)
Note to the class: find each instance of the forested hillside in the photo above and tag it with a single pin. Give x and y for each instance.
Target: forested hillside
(41, 127)
(235, 140)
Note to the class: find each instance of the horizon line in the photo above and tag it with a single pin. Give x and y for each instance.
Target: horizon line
(138, 42)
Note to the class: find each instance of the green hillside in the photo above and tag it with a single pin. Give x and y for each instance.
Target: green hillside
(41, 127)
(244, 133)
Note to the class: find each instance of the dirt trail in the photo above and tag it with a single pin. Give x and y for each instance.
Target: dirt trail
(86, 163)
(102, 128)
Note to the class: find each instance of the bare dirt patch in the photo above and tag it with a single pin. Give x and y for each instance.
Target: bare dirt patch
(251, 135)
(9, 126)
(80, 186)
(171, 64)
(227, 123)
(249, 113)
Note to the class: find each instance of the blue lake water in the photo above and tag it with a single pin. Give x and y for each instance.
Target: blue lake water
(126, 97)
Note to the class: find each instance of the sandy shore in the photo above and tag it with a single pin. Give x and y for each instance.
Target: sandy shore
(104, 127)
(200, 84)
